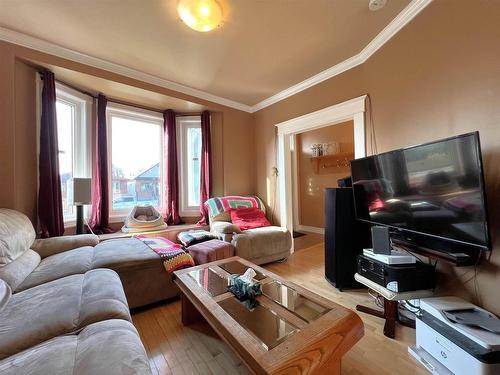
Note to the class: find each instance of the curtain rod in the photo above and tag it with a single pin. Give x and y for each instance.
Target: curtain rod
(118, 101)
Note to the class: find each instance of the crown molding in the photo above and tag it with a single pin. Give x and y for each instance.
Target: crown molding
(400, 21)
(37, 44)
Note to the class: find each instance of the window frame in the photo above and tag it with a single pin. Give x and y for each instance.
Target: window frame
(135, 114)
(81, 137)
(183, 123)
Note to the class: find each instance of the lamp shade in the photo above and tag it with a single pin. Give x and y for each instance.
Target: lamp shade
(82, 191)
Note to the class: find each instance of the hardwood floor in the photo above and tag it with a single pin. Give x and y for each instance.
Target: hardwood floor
(175, 349)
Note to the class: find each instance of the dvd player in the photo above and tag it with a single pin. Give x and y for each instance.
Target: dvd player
(398, 277)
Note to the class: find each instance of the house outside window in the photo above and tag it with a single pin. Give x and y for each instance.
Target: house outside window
(135, 149)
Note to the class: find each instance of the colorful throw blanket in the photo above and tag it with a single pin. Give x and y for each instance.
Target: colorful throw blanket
(195, 236)
(218, 205)
(173, 255)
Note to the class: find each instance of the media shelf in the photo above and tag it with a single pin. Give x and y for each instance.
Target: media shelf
(458, 255)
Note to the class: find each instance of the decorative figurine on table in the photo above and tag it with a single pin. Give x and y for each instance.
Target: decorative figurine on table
(244, 288)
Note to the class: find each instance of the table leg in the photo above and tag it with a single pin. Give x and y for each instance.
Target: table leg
(189, 313)
(391, 316)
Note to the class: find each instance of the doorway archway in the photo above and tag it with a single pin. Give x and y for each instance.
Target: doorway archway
(353, 109)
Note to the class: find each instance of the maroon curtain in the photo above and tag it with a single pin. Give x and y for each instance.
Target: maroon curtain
(205, 166)
(99, 221)
(50, 212)
(171, 204)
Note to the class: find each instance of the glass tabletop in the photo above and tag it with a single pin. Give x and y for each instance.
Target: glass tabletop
(293, 301)
(263, 323)
(210, 280)
(239, 268)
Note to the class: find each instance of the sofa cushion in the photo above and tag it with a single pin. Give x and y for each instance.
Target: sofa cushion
(16, 235)
(249, 218)
(19, 270)
(122, 254)
(60, 307)
(55, 245)
(118, 255)
(109, 347)
(222, 227)
(141, 270)
(72, 262)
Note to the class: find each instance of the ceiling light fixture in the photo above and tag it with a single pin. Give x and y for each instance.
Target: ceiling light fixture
(200, 15)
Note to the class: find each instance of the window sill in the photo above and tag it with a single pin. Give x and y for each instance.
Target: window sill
(190, 213)
(170, 232)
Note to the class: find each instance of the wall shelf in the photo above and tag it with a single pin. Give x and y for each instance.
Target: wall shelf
(339, 161)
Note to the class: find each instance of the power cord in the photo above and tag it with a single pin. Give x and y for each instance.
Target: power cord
(275, 174)
(88, 226)
(376, 299)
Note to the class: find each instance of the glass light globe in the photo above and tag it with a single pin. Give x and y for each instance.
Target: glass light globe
(200, 15)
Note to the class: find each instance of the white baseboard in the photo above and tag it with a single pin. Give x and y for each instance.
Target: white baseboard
(307, 228)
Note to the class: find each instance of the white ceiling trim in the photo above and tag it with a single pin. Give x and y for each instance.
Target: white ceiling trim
(28, 41)
(401, 20)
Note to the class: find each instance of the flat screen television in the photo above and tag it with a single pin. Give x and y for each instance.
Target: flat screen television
(434, 191)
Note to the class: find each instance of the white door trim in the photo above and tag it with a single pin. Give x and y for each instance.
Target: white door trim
(353, 109)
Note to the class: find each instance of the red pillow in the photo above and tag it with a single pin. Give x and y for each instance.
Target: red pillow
(249, 218)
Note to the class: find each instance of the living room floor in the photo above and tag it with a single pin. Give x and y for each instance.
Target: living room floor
(175, 349)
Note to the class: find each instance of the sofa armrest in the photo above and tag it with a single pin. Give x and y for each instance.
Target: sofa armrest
(224, 230)
(50, 246)
(223, 227)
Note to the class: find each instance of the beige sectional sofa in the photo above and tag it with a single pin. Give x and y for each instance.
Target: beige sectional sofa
(109, 347)
(30, 262)
(60, 313)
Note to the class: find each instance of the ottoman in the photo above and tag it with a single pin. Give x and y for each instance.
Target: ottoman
(209, 251)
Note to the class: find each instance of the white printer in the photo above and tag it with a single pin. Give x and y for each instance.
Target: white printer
(446, 345)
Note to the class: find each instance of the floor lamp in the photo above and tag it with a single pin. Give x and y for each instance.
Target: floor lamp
(82, 195)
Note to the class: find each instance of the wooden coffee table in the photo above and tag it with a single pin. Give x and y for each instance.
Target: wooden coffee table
(291, 331)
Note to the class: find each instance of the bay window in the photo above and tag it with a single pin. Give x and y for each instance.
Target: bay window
(135, 149)
(73, 111)
(189, 158)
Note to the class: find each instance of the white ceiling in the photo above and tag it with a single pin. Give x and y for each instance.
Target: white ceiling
(262, 48)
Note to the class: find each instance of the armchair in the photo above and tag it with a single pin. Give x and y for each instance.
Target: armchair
(258, 245)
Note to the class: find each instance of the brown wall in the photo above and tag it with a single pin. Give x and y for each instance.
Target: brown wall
(314, 175)
(25, 138)
(438, 77)
(232, 131)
